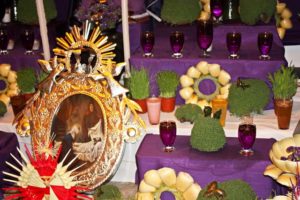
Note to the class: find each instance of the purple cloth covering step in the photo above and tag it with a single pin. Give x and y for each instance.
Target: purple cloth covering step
(247, 66)
(8, 145)
(206, 167)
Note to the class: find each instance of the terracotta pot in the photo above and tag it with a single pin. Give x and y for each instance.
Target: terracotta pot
(283, 110)
(167, 104)
(143, 104)
(18, 102)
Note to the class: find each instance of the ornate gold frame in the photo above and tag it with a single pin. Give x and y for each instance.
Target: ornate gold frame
(66, 80)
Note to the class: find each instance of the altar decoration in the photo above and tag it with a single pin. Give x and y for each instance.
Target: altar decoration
(191, 90)
(43, 176)
(156, 182)
(180, 12)
(167, 82)
(8, 83)
(254, 11)
(108, 192)
(283, 21)
(27, 12)
(207, 134)
(227, 190)
(139, 87)
(284, 86)
(285, 157)
(205, 12)
(104, 13)
(188, 113)
(83, 105)
(246, 98)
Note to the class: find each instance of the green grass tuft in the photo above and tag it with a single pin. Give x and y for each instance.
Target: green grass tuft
(167, 82)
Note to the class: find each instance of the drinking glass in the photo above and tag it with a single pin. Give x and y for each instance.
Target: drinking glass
(153, 107)
(216, 10)
(233, 41)
(167, 132)
(147, 42)
(3, 42)
(264, 41)
(246, 136)
(205, 35)
(27, 38)
(177, 41)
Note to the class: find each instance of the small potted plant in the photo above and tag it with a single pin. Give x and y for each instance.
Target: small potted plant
(139, 87)
(167, 82)
(247, 97)
(26, 80)
(284, 86)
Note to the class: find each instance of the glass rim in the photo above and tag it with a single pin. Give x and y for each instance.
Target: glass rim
(177, 32)
(234, 33)
(265, 33)
(167, 123)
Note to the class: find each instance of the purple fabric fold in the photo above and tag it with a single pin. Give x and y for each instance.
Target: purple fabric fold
(205, 167)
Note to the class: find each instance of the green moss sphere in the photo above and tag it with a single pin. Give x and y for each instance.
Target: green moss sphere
(251, 99)
(207, 135)
(234, 190)
(188, 112)
(253, 11)
(180, 11)
(3, 109)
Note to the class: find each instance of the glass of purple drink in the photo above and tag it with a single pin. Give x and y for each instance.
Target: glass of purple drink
(147, 43)
(3, 41)
(177, 41)
(216, 10)
(167, 132)
(233, 41)
(246, 136)
(205, 35)
(27, 38)
(264, 42)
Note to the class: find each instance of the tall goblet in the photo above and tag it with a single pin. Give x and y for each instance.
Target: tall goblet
(167, 132)
(177, 41)
(264, 41)
(27, 38)
(3, 42)
(216, 10)
(233, 41)
(205, 35)
(147, 42)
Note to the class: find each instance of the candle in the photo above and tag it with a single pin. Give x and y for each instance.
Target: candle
(126, 43)
(43, 28)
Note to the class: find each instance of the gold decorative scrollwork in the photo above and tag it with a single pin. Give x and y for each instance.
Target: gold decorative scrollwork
(82, 105)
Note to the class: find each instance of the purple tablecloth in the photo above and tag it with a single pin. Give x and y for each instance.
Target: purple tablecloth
(8, 144)
(207, 167)
(247, 66)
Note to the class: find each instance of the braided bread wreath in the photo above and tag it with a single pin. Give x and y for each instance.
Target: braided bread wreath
(156, 182)
(190, 82)
(8, 83)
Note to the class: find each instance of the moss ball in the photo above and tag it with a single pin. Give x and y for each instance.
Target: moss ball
(3, 109)
(251, 98)
(188, 112)
(207, 135)
(234, 190)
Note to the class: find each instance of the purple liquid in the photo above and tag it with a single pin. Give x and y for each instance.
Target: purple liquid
(147, 42)
(204, 34)
(3, 40)
(233, 41)
(177, 41)
(216, 8)
(167, 132)
(247, 135)
(27, 39)
(204, 41)
(264, 42)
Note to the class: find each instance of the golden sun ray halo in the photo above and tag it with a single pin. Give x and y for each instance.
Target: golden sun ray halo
(74, 41)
